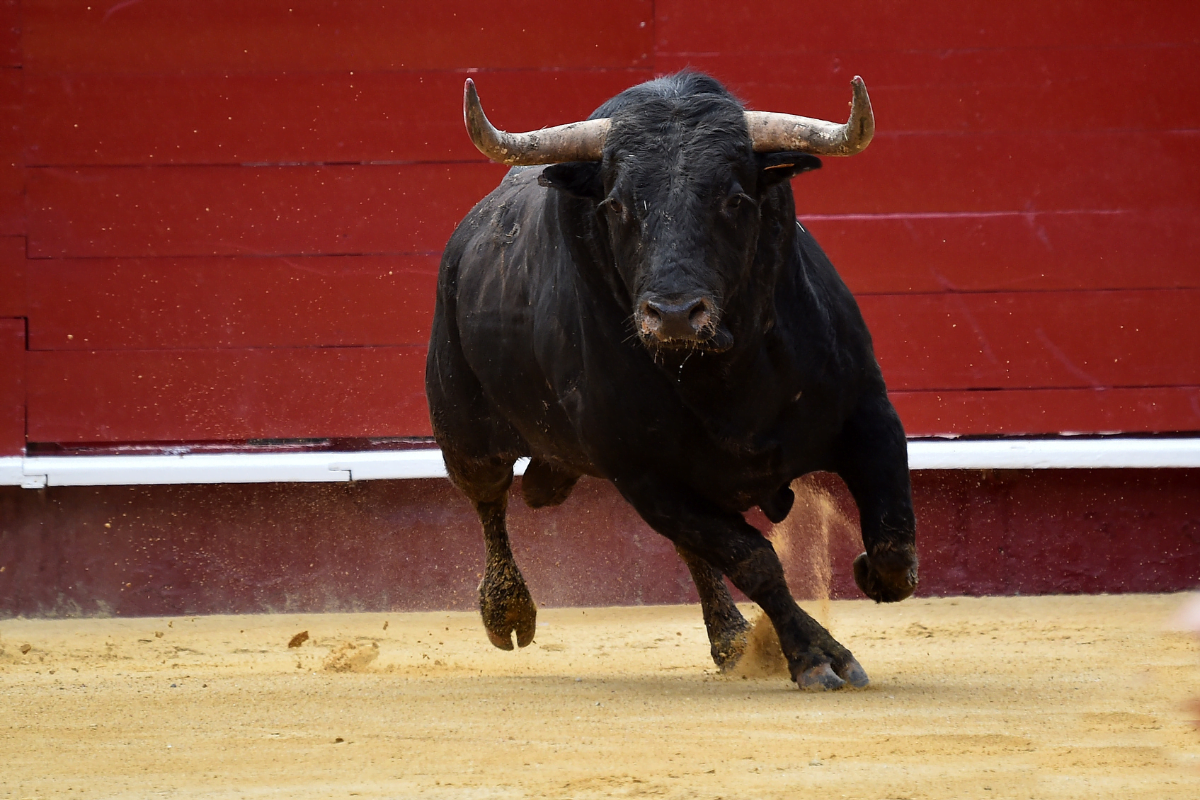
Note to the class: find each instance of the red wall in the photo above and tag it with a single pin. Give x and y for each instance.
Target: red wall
(221, 219)
(220, 222)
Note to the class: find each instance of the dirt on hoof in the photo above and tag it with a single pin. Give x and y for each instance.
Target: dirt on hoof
(507, 607)
(763, 657)
(299, 639)
(855, 675)
(820, 678)
(349, 657)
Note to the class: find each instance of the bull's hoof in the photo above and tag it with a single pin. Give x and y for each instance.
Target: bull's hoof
(507, 608)
(854, 675)
(729, 648)
(820, 678)
(886, 583)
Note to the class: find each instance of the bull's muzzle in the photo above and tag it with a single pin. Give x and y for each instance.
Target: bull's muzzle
(687, 321)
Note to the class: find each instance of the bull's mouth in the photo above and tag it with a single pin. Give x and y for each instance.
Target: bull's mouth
(717, 340)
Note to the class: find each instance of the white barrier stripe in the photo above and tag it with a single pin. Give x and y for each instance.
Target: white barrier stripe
(11, 470)
(1053, 453)
(324, 467)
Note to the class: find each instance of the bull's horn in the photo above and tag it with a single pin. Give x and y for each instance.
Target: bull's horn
(579, 141)
(774, 132)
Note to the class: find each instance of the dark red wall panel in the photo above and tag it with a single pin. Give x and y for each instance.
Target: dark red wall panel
(274, 35)
(1056, 531)
(12, 387)
(191, 395)
(165, 303)
(965, 90)
(1023, 412)
(416, 545)
(951, 173)
(1037, 340)
(412, 545)
(294, 117)
(12, 276)
(776, 26)
(12, 178)
(1014, 251)
(220, 191)
(10, 33)
(121, 396)
(98, 211)
(180, 211)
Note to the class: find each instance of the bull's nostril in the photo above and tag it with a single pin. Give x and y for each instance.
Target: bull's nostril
(649, 319)
(700, 316)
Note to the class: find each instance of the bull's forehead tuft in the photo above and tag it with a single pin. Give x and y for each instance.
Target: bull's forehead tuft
(651, 116)
(666, 134)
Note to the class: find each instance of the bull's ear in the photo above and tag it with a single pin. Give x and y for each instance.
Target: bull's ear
(774, 168)
(577, 178)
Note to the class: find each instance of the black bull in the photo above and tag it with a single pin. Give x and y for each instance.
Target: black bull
(647, 310)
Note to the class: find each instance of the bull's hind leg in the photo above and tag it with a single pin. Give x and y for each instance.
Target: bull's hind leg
(504, 600)
(479, 448)
(726, 626)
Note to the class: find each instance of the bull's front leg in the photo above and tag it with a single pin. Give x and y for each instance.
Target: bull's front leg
(732, 546)
(725, 624)
(872, 458)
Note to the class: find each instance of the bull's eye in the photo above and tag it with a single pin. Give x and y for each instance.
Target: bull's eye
(737, 203)
(614, 206)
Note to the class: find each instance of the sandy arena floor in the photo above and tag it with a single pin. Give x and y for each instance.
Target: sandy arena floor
(1051, 697)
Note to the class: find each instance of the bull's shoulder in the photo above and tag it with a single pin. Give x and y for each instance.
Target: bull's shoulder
(822, 335)
(517, 195)
(836, 304)
(518, 190)
(487, 239)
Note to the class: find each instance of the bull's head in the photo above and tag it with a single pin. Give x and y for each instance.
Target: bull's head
(678, 184)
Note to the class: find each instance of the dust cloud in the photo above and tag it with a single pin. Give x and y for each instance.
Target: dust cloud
(803, 543)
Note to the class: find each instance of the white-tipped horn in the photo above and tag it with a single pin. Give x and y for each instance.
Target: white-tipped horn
(578, 141)
(772, 132)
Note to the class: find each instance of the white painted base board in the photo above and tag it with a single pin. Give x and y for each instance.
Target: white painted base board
(124, 470)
